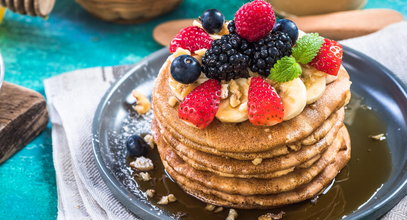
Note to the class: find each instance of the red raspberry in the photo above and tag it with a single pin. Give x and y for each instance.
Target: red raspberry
(329, 57)
(254, 20)
(191, 38)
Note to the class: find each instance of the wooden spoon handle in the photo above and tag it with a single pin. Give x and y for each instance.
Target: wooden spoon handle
(337, 26)
(348, 24)
(164, 32)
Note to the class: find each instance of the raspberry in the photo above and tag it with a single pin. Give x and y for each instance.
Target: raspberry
(254, 20)
(268, 50)
(228, 58)
(191, 38)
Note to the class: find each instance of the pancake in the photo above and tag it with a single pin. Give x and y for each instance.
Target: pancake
(318, 134)
(220, 198)
(238, 168)
(245, 137)
(248, 186)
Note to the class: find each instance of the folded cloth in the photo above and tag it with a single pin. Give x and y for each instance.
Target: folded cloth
(74, 96)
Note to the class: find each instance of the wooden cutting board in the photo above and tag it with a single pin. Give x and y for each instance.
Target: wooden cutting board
(23, 115)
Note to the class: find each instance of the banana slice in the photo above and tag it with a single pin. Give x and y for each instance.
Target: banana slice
(293, 94)
(315, 82)
(331, 78)
(239, 113)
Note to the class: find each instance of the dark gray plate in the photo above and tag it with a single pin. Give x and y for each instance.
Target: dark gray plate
(380, 88)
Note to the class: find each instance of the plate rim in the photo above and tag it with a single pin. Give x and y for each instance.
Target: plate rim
(141, 210)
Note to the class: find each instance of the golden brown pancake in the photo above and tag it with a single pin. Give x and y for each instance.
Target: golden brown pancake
(318, 134)
(248, 186)
(238, 168)
(212, 195)
(245, 137)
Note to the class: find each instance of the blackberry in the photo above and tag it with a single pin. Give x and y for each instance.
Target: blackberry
(232, 27)
(228, 58)
(268, 50)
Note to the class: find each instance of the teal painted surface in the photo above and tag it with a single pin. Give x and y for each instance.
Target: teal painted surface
(36, 49)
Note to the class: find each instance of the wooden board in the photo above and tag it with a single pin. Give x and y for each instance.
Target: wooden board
(23, 115)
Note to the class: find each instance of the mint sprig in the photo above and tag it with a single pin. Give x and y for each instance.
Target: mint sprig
(285, 69)
(307, 47)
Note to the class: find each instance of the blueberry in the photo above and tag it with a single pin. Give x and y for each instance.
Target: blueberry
(289, 27)
(185, 69)
(212, 21)
(136, 146)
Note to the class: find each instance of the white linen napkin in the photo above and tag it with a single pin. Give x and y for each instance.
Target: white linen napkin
(74, 96)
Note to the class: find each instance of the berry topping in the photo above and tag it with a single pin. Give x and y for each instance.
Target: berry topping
(264, 104)
(268, 50)
(228, 58)
(288, 27)
(307, 47)
(137, 146)
(201, 104)
(329, 57)
(254, 20)
(286, 69)
(191, 38)
(185, 69)
(232, 27)
(212, 21)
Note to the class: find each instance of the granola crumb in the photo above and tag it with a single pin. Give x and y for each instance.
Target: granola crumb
(271, 216)
(267, 129)
(179, 215)
(172, 101)
(314, 200)
(143, 104)
(232, 214)
(145, 176)
(378, 137)
(150, 193)
(257, 161)
(149, 140)
(224, 91)
(142, 164)
(269, 136)
(217, 210)
(210, 207)
(235, 94)
(167, 199)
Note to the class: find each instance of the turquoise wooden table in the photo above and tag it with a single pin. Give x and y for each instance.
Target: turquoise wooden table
(35, 49)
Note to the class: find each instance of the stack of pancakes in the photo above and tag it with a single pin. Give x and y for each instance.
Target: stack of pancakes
(245, 166)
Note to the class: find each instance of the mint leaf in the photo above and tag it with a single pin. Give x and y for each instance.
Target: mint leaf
(307, 47)
(285, 69)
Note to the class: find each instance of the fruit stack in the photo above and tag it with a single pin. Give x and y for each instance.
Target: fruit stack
(249, 113)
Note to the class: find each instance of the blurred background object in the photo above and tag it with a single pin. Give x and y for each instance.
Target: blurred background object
(1, 71)
(2, 13)
(337, 25)
(40, 8)
(314, 7)
(128, 11)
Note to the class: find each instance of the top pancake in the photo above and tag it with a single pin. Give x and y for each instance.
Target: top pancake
(245, 137)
